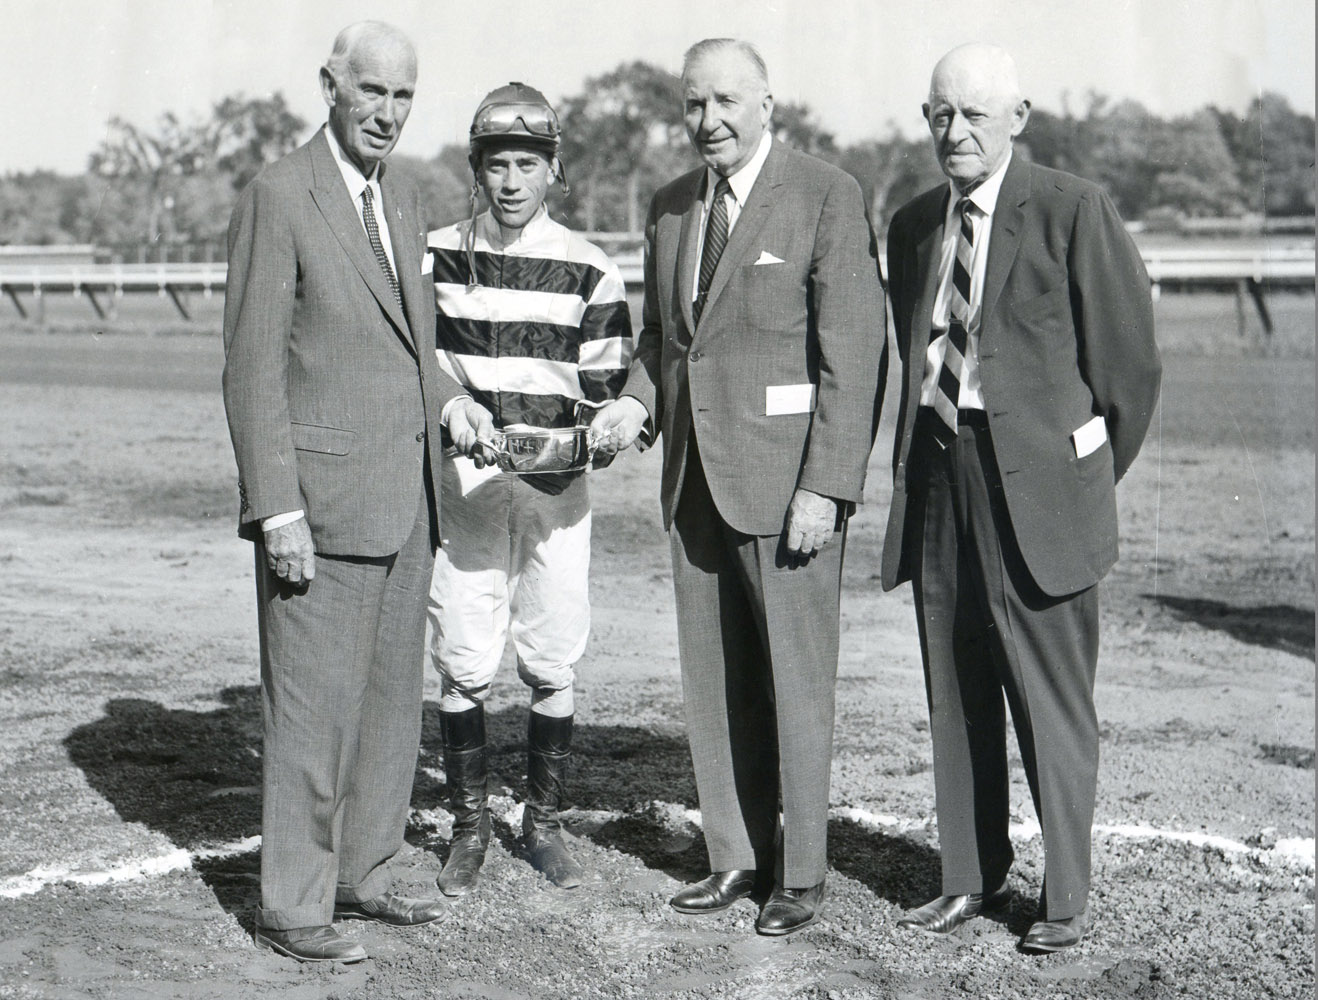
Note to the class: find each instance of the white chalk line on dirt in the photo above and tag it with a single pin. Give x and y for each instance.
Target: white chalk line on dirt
(1287, 852)
(127, 871)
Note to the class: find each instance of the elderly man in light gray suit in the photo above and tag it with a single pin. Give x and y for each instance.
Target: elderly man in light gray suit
(334, 400)
(760, 362)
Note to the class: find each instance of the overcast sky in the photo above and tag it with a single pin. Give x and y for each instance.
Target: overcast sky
(862, 65)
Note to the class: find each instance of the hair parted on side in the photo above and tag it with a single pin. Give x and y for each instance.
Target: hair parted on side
(708, 46)
(347, 40)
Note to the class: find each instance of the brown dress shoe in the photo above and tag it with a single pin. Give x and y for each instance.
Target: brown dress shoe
(311, 944)
(389, 908)
(1046, 936)
(715, 892)
(946, 913)
(790, 910)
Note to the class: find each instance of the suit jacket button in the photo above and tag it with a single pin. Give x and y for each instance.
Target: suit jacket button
(694, 356)
(420, 436)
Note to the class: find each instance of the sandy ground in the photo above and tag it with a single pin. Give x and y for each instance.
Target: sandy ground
(130, 736)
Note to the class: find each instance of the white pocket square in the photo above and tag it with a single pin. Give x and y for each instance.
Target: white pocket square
(768, 258)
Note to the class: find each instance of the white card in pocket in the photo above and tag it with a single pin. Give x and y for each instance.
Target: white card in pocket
(427, 262)
(1089, 437)
(780, 400)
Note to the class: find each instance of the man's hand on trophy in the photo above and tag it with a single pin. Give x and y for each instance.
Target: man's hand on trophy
(472, 429)
(617, 425)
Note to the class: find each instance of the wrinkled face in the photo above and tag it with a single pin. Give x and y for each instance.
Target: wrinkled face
(370, 99)
(972, 122)
(726, 107)
(515, 180)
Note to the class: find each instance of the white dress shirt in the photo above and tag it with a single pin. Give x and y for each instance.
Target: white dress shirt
(741, 183)
(984, 199)
(356, 183)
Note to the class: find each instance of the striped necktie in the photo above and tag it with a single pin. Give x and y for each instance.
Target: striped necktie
(948, 396)
(373, 232)
(716, 238)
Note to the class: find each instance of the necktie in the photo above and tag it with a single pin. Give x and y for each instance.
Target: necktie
(716, 238)
(948, 395)
(373, 232)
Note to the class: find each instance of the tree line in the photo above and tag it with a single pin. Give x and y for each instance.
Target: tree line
(173, 184)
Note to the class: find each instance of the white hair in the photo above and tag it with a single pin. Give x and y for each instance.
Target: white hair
(709, 46)
(347, 40)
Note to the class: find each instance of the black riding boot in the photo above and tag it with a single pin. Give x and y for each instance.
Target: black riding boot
(549, 743)
(466, 766)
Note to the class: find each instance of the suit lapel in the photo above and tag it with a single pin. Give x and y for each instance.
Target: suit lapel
(686, 254)
(331, 197)
(1005, 240)
(403, 232)
(749, 223)
(928, 252)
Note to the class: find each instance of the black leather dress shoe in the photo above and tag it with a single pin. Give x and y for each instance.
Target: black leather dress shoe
(311, 944)
(388, 908)
(1056, 935)
(946, 913)
(715, 892)
(790, 910)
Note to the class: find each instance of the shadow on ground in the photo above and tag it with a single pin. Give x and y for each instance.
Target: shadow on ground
(1275, 626)
(195, 777)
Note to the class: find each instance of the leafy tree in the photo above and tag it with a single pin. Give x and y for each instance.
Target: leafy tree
(1065, 141)
(155, 162)
(41, 208)
(796, 125)
(251, 132)
(1273, 149)
(891, 172)
(1195, 173)
(622, 138)
(444, 197)
(1118, 141)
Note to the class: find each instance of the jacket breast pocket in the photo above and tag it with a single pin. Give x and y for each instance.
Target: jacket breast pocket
(774, 295)
(322, 440)
(1039, 308)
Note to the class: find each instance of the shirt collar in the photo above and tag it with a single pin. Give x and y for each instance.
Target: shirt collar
(985, 196)
(744, 179)
(351, 175)
(487, 227)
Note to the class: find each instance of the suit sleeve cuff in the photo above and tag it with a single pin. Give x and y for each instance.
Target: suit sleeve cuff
(448, 408)
(279, 520)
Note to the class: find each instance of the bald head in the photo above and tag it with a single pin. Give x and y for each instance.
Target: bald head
(980, 66)
(368, 82)
(975, 110)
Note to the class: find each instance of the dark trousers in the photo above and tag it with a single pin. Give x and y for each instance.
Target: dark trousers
(341, 682)
(986, 629)
(758, 640)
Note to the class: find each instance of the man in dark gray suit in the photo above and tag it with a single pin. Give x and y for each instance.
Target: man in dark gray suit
(1029, 377)
(334, 398)
(760, 361)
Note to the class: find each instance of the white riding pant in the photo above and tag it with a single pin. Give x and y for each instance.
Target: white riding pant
(514, 561)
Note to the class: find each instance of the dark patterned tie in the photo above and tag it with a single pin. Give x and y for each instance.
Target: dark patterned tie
(948, 394)
(373, 232)
(716, 238)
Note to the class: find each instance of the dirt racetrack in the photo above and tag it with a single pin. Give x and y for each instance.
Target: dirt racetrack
(130, 730)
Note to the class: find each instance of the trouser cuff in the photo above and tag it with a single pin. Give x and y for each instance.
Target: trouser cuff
(293, 917)
(377, 883)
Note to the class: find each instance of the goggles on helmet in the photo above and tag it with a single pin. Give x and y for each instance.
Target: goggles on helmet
(503, 119)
